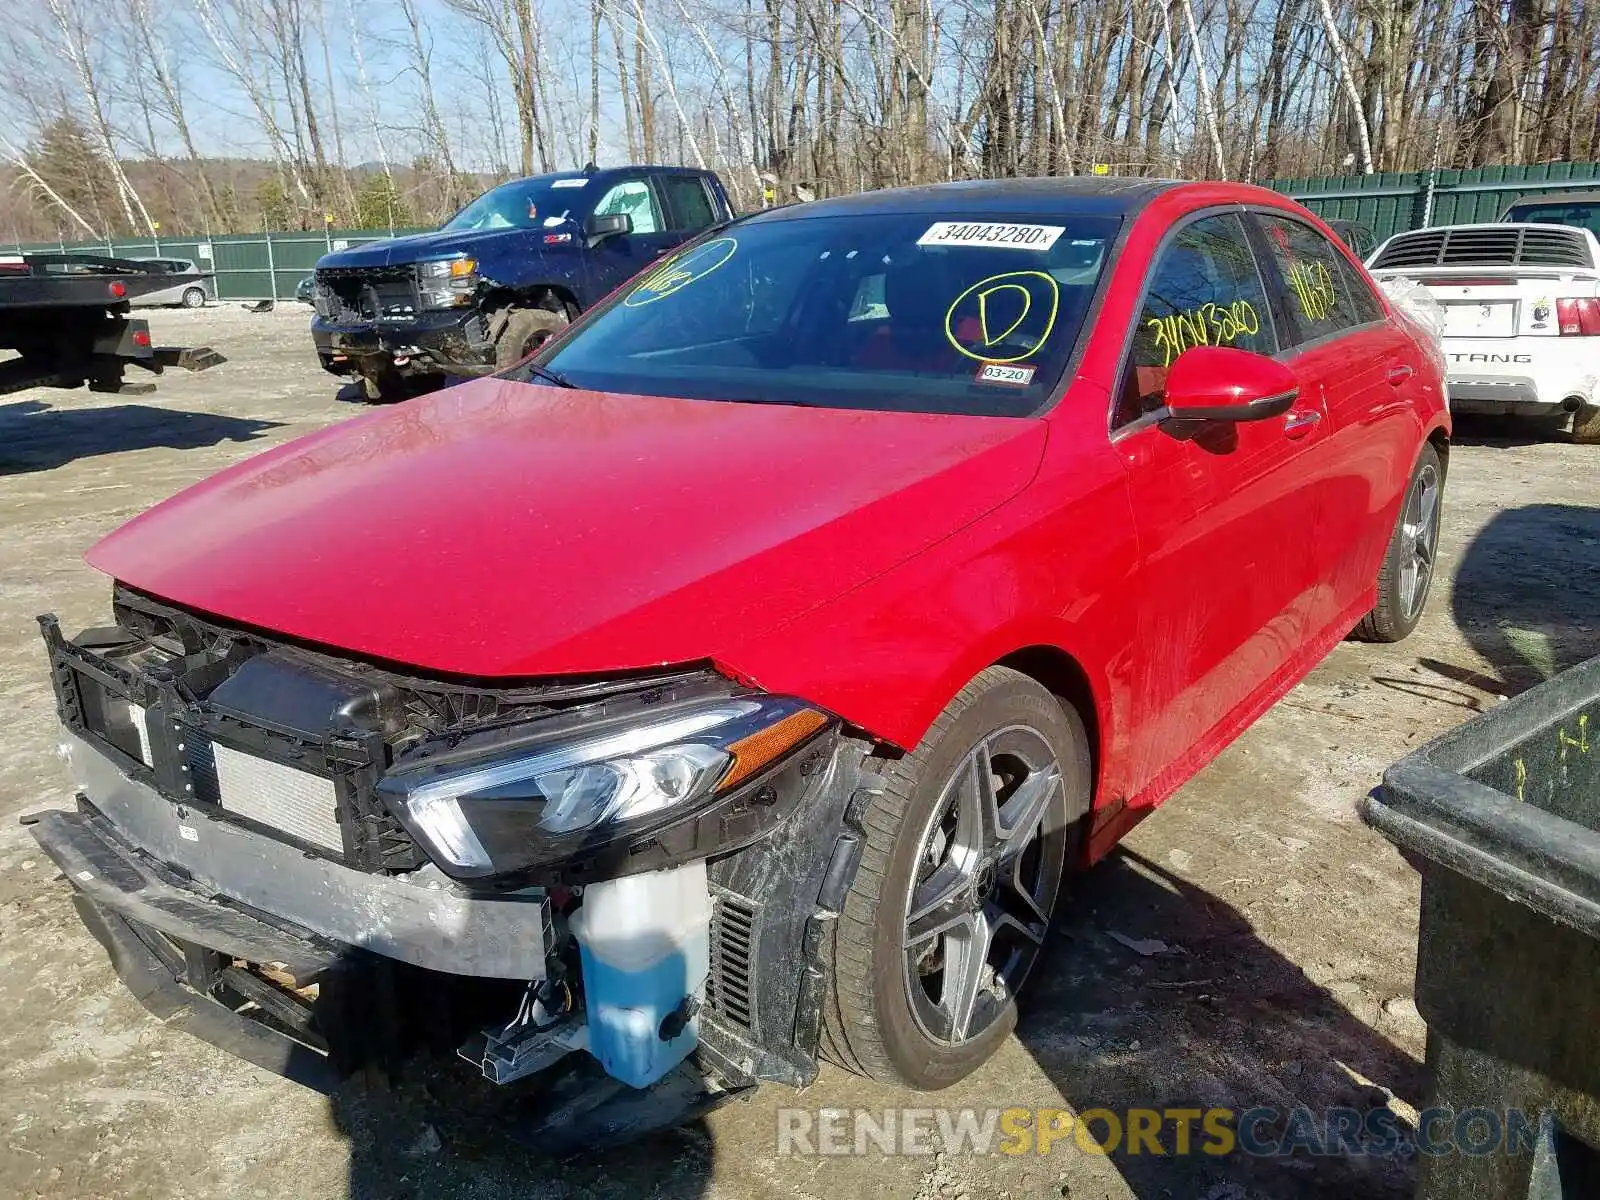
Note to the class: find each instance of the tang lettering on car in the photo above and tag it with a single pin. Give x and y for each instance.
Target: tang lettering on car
(1002, 235)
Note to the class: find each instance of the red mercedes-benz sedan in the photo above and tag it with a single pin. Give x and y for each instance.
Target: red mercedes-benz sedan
(745, 672)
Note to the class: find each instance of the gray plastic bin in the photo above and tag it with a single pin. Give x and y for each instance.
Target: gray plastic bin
(1502, 817)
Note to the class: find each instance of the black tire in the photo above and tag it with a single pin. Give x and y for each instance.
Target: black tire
(194, 297)
(1393, 617)
(1586, 425)
(524, 331)
(870, 1022)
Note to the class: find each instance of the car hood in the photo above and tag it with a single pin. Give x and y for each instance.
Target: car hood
(417, 246)
(502, 529)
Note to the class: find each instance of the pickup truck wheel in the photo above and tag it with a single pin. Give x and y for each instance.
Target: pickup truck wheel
(1408, 565)
(526, 329)
(966, 851)
(1586, 425)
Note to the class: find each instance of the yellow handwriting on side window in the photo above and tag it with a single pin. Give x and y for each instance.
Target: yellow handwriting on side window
(1208, 325)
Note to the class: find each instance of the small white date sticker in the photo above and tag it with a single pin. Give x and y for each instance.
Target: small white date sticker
(1005, 373)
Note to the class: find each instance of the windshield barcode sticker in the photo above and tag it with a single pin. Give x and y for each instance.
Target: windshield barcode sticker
(555, 183)
(999, 234)
(1005, 373)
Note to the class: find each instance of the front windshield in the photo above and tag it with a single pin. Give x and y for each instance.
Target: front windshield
(1581, 215)
(908, 312)
(521, 204)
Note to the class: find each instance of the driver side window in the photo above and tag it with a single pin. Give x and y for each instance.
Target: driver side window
(632, 196)
(1204, 291)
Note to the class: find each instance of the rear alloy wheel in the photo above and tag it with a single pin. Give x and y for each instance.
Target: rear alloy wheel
(193, 297)
(526, 329)
(1586, 425)
(1406, 575)
(967, 851)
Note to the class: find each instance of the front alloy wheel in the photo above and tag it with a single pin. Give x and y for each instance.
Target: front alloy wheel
(967, 850)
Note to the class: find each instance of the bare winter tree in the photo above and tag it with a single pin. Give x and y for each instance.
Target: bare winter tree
(414, 106)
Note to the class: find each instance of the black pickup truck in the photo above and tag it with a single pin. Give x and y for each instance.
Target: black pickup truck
(500, 276)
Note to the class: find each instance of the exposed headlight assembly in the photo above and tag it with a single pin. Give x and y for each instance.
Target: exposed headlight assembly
(512, 806)
(448, 282)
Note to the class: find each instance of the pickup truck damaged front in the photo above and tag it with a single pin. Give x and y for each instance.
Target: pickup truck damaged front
(268, 836)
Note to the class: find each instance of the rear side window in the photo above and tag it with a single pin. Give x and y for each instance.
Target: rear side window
(688, 206)
(1364, 306)
(1204, 290)
(1318, 294)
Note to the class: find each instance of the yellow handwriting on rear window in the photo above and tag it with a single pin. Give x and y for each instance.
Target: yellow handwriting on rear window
(1312, 284)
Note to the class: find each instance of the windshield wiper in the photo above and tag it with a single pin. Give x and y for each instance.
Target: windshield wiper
(548, 375)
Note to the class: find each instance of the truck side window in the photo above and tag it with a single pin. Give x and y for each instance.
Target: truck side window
(688, 206)
(633, 197)
(1203, 291)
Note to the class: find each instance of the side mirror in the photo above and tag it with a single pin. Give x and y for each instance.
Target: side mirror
(1223, 383)
(597, 229)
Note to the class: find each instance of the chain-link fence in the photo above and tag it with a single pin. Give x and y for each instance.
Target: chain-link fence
(258, 266)
(1393, 203)
(251, 266)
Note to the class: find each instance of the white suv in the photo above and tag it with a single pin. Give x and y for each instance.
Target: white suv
(1522, 306)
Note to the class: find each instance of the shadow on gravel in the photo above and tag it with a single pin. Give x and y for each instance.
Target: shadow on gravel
(1199, 1013)
(36, 437)
(1478, 429)
(354, 393)
(441, 1135)
(431, 1127)
(1525, 596)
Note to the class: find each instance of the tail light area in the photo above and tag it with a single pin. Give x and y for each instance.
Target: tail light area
(1578, 316)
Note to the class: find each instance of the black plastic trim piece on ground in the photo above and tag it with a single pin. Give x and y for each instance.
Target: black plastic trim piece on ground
(153, 985)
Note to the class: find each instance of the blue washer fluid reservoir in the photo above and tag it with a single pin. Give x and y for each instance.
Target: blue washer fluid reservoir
(645, 942)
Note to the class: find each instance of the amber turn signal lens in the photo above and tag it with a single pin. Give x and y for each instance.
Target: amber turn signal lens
(752, 753)
(463, 266)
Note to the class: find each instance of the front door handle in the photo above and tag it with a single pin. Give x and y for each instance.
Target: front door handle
(1398, 374)
(1301, 422)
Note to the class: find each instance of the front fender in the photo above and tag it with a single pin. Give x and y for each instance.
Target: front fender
(1047, 569)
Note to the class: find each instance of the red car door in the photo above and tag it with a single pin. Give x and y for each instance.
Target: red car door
(1366, 374)
(1225, 514)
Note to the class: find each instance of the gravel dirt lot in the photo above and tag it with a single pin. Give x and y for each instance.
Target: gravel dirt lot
(1274, 933)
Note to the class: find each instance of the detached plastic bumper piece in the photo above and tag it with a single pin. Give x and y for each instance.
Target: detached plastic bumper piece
(1502, 817)
(261, 991)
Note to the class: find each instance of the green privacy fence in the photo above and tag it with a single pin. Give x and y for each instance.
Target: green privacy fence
(1394, 203)
(250, 266)
(255, 266)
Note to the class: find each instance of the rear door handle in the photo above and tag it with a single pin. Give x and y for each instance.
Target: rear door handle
(1398, 374)
(1301, 422)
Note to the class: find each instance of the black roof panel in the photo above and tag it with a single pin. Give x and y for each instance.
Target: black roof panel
(1084, 195)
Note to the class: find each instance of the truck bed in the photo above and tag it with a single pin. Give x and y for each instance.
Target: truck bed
(65, 315)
